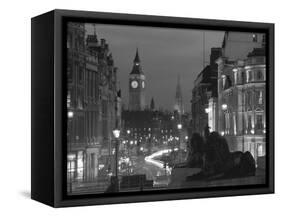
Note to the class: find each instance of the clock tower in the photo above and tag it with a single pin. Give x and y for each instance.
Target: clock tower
(137, 86)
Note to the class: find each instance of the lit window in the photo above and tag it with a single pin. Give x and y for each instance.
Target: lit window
(261, 151)
(255, 38)
(68, 99)
(260, 98)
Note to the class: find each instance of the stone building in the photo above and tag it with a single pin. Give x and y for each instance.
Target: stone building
(92, 103)
(205, 88)
(241, 92)
(241, 103)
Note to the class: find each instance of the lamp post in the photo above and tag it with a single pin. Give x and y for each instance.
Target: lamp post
(70, 115)
(116, 134)
(224, 108)
(128, 147)
(179, 126)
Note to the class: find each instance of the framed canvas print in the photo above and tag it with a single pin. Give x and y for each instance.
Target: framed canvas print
(133, 108)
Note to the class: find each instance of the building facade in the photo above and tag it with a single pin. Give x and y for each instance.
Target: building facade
(204, 96)
(241, 103)
(92, 101)
(137, 86)
(241, 92)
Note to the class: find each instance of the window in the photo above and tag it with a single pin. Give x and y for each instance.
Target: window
(259, 75)
(255, 38)
(104, 107)
(259, 124)
(263, 38)
(69, 72)
(249, 76)
(261, 149)
(227, 122)
(68, 98)
(249, 121)
(234, 124)
(260, 97)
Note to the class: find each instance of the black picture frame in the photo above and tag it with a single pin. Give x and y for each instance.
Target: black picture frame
(48, 179)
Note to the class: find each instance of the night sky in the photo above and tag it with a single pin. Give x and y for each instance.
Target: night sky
(165, 53)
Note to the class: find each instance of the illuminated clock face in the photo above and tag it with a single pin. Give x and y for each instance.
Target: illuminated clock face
(134, 84)
(142, 84)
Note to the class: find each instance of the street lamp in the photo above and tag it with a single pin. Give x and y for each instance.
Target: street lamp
(128, 144)
(70, 114)
(179, 126)
(116, 134)
(224, 107)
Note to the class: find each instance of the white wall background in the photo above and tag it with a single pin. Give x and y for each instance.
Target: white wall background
(15, 106)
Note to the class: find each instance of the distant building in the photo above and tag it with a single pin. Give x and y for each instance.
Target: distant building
(92, 99)
(150, 129)
(153, 130)
(205, 88)
(179, 107)
(137, 86)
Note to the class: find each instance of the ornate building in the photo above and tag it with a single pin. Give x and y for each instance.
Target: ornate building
(137, 86)
(92, 103)
(241, 104)
(241, 92)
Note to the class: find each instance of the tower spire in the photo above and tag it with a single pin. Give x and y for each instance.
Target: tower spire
(178, 99)
(178, 90)
(137, 58)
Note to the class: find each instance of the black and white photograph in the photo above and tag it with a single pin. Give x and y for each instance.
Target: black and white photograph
(155, 108)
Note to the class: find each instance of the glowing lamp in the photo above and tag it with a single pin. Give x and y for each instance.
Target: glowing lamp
(224, 106)
(116, 133)
(70, 114)
(179, 126)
